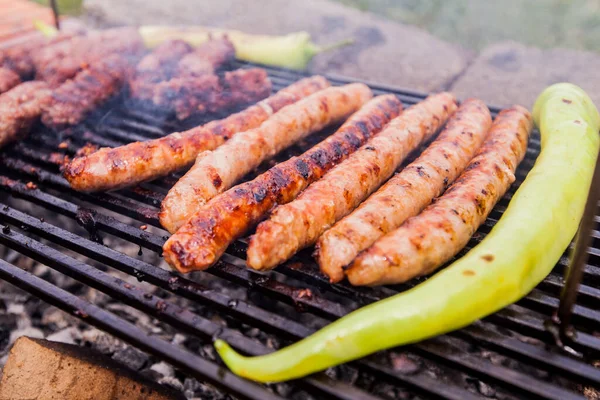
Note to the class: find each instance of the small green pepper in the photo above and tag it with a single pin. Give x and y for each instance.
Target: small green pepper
(526, 243)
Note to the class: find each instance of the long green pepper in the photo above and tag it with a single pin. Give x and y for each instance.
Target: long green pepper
(526, 243)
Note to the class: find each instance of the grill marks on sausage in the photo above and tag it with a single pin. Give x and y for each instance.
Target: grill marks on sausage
(159, 157)
(247, 150)
(251, 201)
(408, 192)
(447, 225)
(298, 224)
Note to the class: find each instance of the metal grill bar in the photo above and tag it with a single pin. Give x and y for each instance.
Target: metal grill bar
(32, 161)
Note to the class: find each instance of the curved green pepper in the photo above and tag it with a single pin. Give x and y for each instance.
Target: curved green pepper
(526, 243)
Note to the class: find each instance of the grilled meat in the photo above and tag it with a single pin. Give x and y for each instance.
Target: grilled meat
(206, 59)
(212, 93)
(8, 79)
(141, 161)
(20, 107)
(408, 192)
(216, 171)
(158, 66)
(299, 224)
(74, 99)
(426, 241)
(234, 212)
(64, 60)
(19, 58)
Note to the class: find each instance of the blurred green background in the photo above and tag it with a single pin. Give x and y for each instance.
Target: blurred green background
(474, 24)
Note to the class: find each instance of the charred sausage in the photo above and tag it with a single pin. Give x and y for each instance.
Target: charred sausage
(237, 210)
(424, 242)
(216, 171)
(141, 161)
(299, 224)
(408, 192)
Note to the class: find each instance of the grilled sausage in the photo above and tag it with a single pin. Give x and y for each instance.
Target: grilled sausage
(19, 58)
(20, 107)
(74, 99)
(237, 210)
(8, 79)
(299, 224)
(407, 193)
(212, 93)
(216, 171)
(158, 66)
(206, 59)
(141, 161)
(426, 241)
(64, 60)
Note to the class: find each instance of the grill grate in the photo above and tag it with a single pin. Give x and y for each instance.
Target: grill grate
(528, 367)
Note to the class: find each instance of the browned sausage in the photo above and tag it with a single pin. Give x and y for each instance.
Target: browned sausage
(8, 79)
(20, 107)
(141, 161)
(299, 224)
(407, 193)
(216, 171)
(234, 212)
(425, 242)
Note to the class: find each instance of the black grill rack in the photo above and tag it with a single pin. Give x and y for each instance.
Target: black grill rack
(530, 366)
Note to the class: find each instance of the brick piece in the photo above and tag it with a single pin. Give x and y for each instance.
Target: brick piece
(42, 370)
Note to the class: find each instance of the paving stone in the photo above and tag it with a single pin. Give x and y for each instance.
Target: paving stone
(43, 370)
(509, 72)
(384, 51)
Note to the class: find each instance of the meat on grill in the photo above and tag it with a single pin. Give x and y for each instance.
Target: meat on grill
(299, 224)
(64, 60)
(426, 241)
(20, 107)
(74, 99)
(158, 66)
(206, 59)
(19, 58)
(408, 192)
(8, 79)
(216, 171)
(141, 161)
(240, 208)
(212, 93)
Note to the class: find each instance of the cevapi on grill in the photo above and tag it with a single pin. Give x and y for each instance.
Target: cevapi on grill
(19, 58)
(408, 192)
(240, 208)
(155, 67)
(424, 242)
(299, 224)
(212, 93)
(216, 171)
(206, 59)
(73, 100)
(114, 168)
(8, 79)
(63, 61)
(20, 108)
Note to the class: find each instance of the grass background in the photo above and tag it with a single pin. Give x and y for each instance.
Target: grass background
(475, 24)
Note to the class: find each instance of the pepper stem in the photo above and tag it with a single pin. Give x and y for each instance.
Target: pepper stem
(342, 43)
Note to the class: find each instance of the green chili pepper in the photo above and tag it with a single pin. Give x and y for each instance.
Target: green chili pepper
(526, 243)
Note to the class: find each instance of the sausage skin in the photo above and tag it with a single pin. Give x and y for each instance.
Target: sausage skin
(424, 242)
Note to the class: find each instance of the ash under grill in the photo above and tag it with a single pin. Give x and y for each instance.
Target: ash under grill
(507, 355)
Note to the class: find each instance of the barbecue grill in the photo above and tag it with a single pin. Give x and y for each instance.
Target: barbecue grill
(510, 350)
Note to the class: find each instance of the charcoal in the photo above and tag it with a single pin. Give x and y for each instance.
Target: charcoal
(131, 357)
